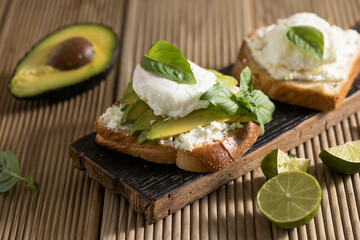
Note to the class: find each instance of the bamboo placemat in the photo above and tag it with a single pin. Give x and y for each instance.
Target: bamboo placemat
(69, 205)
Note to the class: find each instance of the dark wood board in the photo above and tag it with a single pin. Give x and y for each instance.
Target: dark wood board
(157, 190)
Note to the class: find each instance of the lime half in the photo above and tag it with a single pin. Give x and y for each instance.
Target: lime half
(277, 162)
(290, 199)
(343, 158)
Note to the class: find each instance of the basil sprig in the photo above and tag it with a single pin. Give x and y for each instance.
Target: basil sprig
(249, 102)
(165, 60)
(307, 39)
(10, 173)
(222, 98)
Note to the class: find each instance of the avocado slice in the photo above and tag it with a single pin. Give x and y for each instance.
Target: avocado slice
(129, 96)
(144, 122)
(229, 80)
(134, 111)
(172, 127)
(67, 61)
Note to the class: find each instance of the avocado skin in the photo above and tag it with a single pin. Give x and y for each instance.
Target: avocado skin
(75, 89)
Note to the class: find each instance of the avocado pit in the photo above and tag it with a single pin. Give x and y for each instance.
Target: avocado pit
(71, 54)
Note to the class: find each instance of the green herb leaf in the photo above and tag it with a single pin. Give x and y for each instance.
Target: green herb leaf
(307, 39)
(246, 81)
(263, 107)
(251, 104)
(32, 185)
(10, 173)
(165, 60)
(254, 101)
(222, 98)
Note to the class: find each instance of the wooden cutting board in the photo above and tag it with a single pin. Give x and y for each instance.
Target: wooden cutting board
(158, 190)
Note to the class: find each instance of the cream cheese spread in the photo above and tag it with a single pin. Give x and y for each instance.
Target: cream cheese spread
(186, 141)
(170, 98)
(201, 135)
(112, 119)
(284, 61)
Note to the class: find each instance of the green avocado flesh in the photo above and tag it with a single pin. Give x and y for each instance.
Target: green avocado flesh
(129, 95)
(174, 126)
(144, 122)
(228, 80)
(33, 76)
(134, 111)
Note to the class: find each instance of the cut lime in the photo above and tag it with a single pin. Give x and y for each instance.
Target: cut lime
(343, 158)
(290, 199)
(277, 162)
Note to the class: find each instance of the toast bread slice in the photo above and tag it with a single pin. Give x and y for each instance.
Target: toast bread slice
(206, 158)
(323, 96)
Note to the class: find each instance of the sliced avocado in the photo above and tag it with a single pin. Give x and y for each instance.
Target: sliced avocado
(172, 127)
(67, 61)
(129, 96)
(134, 111)
(144, 122)
(229, 80)
(215, 72)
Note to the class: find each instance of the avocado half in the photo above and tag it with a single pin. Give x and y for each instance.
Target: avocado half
(34, 77)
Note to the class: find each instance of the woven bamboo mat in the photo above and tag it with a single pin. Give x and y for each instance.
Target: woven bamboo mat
(69, 205)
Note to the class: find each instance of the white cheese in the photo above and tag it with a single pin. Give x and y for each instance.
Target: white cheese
(201, 135)
(167, 97)
(284, 61)
(112, 119)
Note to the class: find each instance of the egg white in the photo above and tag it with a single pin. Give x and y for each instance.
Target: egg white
(167, 97)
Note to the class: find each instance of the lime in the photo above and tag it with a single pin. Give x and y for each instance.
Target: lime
(343, 158)
(277, 162)
(290, 199)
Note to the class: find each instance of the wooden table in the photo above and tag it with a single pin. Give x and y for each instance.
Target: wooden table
(69, 205)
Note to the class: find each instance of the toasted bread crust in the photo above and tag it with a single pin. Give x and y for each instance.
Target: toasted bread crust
(207, 158)
(122, 142)
(285, 90)
(223, 153)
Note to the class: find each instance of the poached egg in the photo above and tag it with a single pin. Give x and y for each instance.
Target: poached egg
(170, 98)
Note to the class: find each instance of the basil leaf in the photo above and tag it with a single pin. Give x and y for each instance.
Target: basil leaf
(9, 169)
(246, 81)
(307, 39)
(165, 60)
(264, 107)
(254, 101)
(10, 173)
(251, 104)
(222, 98)
(32, 185)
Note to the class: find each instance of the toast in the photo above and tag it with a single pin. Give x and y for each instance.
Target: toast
(201, 126)
(205, 158)
(318, 95)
